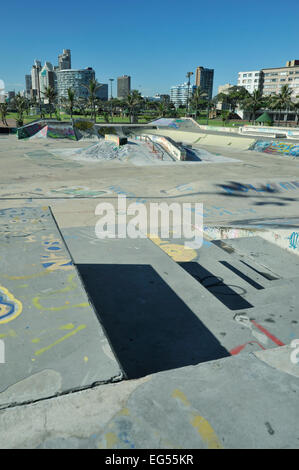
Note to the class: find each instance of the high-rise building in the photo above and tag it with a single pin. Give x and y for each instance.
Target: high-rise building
(46, 78)
(64, 60)
(179, 94)
(275, 78)
(2, 91)
(251, 80)
(36, 68)
(204, 78)
(74, 79)
(102, 92)
(123, 86)
(28, 85)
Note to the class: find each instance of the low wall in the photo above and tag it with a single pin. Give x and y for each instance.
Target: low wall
(287, 239)
(233, 141)
(118, 140)
(283, 148)
(270, 131)
(171, 147)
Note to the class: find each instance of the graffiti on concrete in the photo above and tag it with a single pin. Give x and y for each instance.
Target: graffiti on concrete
(294, 240)
(283, 148)
(55, 258)
(10, 307)
(78, 191)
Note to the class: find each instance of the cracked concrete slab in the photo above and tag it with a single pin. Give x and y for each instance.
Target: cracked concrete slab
(52, 337)
(239, 402)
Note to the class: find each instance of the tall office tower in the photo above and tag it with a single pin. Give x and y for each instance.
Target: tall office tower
(28, 85)
(36, 68)
(74, 79)
(180, 94)
(64, 60)
(46, 78)
(123, 86)
(204, 79)
(102, 92)
(2, 91)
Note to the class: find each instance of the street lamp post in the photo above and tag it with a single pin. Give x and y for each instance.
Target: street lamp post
(111, 80)
(188, 76)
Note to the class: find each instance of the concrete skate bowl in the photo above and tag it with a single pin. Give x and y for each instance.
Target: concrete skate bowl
(274, 147)
(182, 123)
(44, 129)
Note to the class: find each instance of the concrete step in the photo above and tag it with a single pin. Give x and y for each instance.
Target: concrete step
(156, 315)
(267, 254)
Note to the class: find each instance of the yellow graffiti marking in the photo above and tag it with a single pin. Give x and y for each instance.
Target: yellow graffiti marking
(60, 340)
(206, 431)
(111, 440)
(29, 276)
(202, 426)
(85, 359)
(69, 326)
(71, 286)
(176, 252)
(181, 396)
(35, 340)
(124, 412)
(9, 302)
(10, 333)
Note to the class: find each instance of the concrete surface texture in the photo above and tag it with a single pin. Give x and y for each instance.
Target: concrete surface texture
(144, 343)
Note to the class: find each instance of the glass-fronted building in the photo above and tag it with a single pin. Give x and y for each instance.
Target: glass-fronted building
(74, 79)
(179, 94)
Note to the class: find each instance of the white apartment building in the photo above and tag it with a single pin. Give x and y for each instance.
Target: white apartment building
(251, 80)
(180, 93)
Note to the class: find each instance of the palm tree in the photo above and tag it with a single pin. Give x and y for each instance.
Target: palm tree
(254, 103)
(92, 88)
(198, 99)
(69, 102)
(132, 102)
(282, 100)
(20, 104)
(50, 94)
(4, 112)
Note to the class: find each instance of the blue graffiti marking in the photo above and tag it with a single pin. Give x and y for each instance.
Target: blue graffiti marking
(294, 240)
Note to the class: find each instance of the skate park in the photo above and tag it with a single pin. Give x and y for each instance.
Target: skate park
(142, 343)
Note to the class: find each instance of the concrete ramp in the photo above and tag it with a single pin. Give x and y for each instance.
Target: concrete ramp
(52, 338)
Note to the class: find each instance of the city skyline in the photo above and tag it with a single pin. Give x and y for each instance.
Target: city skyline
(237, 39)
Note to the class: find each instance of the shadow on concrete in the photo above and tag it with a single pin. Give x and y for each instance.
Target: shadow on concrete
(229, 295)
(192, 156)
(149, 327)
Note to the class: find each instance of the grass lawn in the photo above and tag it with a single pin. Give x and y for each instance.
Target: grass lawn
(66, 117)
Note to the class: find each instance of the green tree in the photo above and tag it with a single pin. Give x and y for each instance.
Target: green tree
(92, 88)
(20, 103)
(133, 102)
(282, 100)
(234, 96)
(253, 103)
(50, 94)
(198, 100)
(4, 112)
(69, 102)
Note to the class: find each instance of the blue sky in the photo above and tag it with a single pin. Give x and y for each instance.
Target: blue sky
(156, 42)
